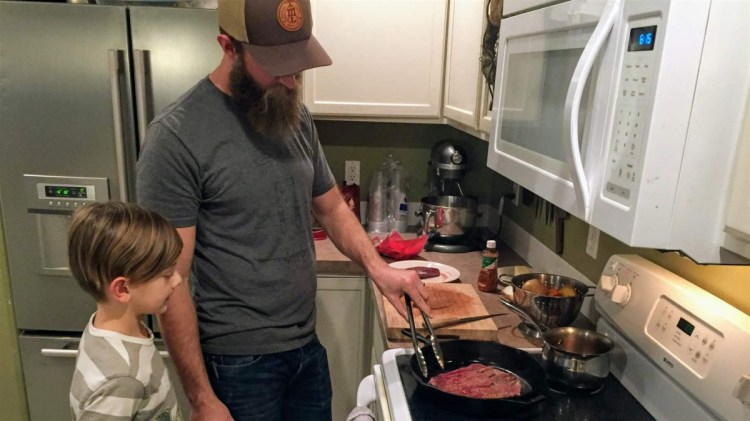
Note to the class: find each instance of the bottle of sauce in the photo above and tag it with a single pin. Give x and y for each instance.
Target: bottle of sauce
(487, 281)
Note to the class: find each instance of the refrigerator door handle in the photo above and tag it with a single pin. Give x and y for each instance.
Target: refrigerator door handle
(139, 64)
(114, 77)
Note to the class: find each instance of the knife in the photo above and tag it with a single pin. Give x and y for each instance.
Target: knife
(437, 324)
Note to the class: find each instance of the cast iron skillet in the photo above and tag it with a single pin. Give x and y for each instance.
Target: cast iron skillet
(460, 353)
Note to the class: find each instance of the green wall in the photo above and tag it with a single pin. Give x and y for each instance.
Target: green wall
(369, 142)
(730, 283)
(12, 393)
(411, 144)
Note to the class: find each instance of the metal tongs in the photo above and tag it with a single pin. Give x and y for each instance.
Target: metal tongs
(432, 339)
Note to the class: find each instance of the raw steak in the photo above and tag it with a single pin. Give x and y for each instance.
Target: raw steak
(425, 272)
(478, 381)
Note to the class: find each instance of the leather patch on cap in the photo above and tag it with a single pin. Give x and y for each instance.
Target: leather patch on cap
(289, 15)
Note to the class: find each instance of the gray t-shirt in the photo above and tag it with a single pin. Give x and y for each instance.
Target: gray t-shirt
(249, 198)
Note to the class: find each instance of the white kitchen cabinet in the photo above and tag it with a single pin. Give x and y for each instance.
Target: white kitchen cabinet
(378, 345)
(466, 100)
(387, 59)
(462, 65)
(343, 327)
(737, 226)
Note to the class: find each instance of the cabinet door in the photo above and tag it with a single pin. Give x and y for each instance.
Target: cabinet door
(173, 48)
(737, 227)
(462, 66)
(387, 58)
(343, 328)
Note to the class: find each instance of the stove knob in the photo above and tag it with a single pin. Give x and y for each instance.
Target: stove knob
(608, 282)
(621, 294)
(742, 390)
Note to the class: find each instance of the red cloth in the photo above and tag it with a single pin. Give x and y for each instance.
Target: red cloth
(395, 247)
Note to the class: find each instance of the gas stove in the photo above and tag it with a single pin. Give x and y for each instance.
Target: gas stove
(675, 358)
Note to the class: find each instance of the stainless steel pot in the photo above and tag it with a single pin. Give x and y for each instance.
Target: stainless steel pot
(448, 218)
(573, 358)
(548, 311)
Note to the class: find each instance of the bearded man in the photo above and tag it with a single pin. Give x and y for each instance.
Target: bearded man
(236, 165)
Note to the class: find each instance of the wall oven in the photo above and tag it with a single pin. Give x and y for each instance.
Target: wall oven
(624, 113)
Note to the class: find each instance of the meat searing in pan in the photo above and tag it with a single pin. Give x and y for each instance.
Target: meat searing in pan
(425, 272)
(478, 381)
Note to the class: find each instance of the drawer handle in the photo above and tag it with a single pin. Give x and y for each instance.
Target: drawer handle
(72, 353)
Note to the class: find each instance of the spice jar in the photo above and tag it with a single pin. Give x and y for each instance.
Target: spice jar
(487, 281)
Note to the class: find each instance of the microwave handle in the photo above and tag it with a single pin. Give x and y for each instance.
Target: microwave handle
(573, 101)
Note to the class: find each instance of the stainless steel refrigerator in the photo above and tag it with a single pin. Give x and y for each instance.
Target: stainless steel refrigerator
(78, 83)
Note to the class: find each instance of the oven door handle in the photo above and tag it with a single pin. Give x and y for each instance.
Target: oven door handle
(366, 393)
(573, 102)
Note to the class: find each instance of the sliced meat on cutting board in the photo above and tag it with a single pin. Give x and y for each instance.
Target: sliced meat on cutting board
(447, 301)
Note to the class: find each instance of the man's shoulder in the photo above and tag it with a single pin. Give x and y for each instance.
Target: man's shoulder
(195, 106)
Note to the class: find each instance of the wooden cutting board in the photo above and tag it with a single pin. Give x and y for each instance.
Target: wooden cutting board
(447, 301)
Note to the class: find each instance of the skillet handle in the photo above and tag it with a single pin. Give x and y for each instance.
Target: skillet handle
(503, 281)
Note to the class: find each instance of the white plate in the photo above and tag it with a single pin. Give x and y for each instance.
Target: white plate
(447, 273)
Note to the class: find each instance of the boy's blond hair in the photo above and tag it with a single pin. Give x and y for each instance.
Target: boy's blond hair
(112, 239)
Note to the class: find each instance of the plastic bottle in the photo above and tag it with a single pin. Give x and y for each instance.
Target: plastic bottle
(397, 204)
(376, 206)
(487, 281)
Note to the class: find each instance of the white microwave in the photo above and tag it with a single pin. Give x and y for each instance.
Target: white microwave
(626, 114)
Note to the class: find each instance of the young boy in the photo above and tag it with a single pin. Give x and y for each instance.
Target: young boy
(124, 256)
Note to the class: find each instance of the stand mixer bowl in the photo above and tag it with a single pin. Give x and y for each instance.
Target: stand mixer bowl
(448, 219)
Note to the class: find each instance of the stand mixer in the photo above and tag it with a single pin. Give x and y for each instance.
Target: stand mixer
(448, 215)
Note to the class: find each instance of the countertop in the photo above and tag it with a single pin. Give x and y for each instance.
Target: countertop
(330, 262)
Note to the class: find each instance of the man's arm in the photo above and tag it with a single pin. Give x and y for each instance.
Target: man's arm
(179, 327)
(350, 238)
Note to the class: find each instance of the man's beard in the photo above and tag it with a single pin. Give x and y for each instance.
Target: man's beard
(274, 111)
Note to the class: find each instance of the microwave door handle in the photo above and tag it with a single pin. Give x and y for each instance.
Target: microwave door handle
(573, 101)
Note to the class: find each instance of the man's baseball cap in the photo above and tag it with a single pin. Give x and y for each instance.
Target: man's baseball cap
(278, 33)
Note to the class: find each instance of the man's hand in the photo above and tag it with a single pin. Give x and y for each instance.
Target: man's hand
(394, 283)
(211, 409)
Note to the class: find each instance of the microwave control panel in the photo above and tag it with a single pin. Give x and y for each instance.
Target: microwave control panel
(632, 110)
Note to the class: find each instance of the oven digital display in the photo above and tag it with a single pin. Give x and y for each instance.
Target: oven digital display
(69, 192)
(642, 39)
(685, 326)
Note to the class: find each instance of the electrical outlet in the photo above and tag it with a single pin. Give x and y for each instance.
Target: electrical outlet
(351, 172)
(517, 194)
(592, 242)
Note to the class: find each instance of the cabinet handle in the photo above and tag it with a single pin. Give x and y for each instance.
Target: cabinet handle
(573, 100)
(114, 78)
